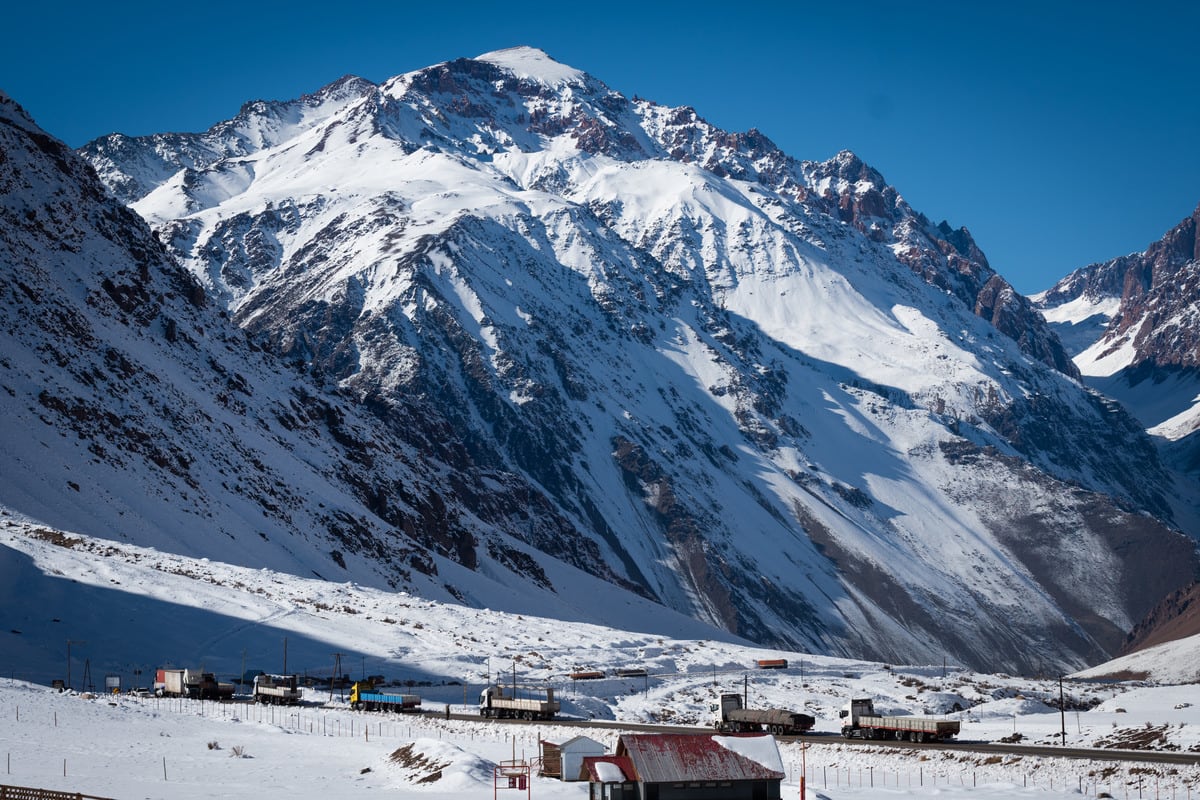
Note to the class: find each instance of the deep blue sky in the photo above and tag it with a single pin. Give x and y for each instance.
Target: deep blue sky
(1058, 133)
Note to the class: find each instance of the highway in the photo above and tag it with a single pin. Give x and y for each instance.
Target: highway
(823, 737)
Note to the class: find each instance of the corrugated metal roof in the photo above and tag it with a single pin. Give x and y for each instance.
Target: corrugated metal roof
(681, 758)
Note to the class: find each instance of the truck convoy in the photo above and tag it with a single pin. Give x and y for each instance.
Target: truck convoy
(493, 702)
(734, 718)
(861, 720)
(364, 697)
(276, 689)
(191, 683)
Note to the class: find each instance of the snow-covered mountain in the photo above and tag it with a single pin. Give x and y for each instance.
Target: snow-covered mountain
(1136, 314)
(1132, 325)
(556, 348)
(136, 412)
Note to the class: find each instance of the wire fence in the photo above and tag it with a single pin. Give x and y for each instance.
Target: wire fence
(836, 766)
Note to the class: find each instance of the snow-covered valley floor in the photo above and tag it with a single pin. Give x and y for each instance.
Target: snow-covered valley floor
(128, 747)
(120, 611)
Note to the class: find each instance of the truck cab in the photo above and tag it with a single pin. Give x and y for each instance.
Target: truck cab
(485, 697)
(856, 709)
(358, 689)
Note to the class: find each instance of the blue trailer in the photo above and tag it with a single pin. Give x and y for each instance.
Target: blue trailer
(363, 697)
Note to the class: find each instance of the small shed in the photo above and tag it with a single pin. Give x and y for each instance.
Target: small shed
(565, 761)
(673, 766)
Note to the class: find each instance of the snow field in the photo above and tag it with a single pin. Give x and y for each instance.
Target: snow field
(126, 747)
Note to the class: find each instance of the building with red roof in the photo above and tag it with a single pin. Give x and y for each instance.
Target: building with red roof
(677, 766)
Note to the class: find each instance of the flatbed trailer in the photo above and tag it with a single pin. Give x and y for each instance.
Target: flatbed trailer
(277, 689)
(733, 717)
(364, 697)
(861, 721)
(493, 702)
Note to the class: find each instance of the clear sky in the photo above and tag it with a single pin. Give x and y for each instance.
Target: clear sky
(1059, 133)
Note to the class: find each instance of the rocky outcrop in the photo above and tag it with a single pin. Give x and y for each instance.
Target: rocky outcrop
(1177, 616)
(945, 257)
(1158, 289)
(606, 341)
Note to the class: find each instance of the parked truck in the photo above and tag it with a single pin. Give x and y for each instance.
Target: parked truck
(171, 683)
(860, 720)
(191, 683)
(493, 702)
(363, 696)
(277, 689)
(734, 717)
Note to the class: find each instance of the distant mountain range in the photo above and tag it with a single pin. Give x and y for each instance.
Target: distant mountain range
(493, 333)
(1133, 326)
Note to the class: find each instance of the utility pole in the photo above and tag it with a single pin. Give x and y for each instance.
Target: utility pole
(1062, 711)
(69, 643)
(337, 670)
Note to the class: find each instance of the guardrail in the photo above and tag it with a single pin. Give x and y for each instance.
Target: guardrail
(26, 793)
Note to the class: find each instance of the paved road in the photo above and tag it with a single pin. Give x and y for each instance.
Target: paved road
(1084, 753)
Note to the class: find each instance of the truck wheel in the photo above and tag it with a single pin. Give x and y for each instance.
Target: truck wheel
(847, 732)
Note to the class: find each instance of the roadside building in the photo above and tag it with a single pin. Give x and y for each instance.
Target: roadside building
(687, 767)
(565, 761)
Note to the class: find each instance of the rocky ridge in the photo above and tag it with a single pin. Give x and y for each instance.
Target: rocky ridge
(761, 392)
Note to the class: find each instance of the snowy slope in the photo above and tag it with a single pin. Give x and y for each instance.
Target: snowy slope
(127, 746)
(134, 411)
(1134, 319)
(603, 343)
(1133, 332)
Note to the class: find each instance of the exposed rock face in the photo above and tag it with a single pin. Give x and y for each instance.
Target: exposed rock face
(1137, 336)
(1177, 616)
(1159, 292)
(945, 257)
(614, 341)
(135, 409)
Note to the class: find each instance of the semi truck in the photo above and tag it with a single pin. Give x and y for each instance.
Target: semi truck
(734, 717)
(191, 683)
(493, 702)
(364, 697)
(277, 689)
(860, 720)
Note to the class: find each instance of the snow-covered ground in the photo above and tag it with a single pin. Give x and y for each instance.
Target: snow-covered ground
(130, 747)
(117, 607)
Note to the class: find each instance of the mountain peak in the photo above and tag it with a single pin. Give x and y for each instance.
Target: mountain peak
(530, 62)
(604, 359)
